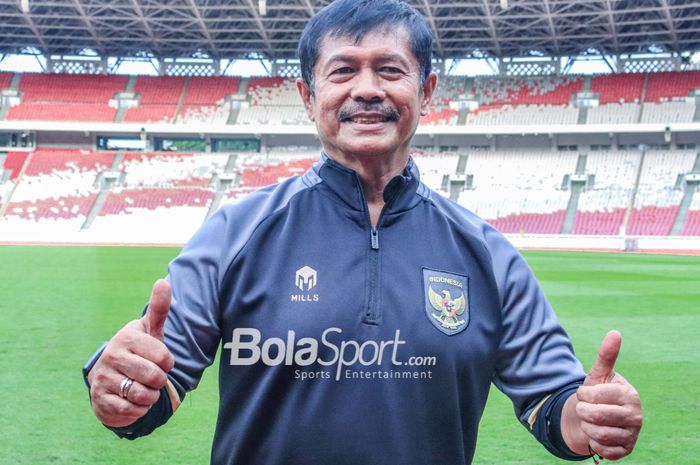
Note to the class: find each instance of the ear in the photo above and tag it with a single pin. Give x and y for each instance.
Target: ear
(427, 96)
(306, 97)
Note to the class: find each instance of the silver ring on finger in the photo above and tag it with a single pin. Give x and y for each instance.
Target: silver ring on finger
(125, 386)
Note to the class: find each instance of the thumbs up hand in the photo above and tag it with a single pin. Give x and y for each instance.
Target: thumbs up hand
(127, 378)
(158, 308)
(608, 407)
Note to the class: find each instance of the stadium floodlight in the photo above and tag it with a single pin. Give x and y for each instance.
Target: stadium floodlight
(24, 6)
(504, 4)
(262, 7)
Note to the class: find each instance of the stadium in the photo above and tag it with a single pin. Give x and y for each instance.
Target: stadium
(570, 126)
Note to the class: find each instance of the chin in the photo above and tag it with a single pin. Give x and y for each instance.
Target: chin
(369, 150)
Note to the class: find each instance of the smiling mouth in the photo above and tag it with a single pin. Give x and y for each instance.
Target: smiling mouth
(368, 119)
(368, 115)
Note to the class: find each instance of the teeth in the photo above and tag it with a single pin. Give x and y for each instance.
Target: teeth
(367, 120)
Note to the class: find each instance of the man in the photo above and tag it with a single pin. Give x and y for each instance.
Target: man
(362, 316)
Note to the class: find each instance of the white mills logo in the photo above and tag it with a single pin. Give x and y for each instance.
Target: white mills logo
(305, 279)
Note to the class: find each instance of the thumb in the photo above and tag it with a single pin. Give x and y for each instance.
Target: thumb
(157, 312)
(602, 369)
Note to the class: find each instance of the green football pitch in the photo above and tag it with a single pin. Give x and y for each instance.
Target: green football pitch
(58, 304)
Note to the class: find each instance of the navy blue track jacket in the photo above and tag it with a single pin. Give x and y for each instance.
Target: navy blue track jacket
(347, 344)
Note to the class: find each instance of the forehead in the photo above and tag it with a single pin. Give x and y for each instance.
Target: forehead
(375, 44)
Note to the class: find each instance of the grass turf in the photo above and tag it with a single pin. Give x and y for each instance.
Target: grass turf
(59, 304)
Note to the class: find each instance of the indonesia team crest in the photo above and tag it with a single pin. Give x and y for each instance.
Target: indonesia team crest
(446, 300)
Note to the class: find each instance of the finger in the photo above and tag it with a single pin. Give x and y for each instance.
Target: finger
(604, 364)
(116, 412)
(142, 370)
(131, 339)
(609, 452)
(609, 415)
(609, 435)
(614, 394)
(142, 395)
(138, 393)
(158, 308)
(152, 349)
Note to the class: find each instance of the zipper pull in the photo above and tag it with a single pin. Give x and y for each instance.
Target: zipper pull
(375, 239)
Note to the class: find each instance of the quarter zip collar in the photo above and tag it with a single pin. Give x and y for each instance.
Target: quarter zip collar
(399, 193)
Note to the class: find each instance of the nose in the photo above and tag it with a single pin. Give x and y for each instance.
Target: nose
(368, 87)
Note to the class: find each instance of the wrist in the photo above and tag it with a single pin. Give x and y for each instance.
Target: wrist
(571, 432)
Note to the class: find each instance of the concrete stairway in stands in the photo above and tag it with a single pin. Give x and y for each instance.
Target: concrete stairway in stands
(119, 117)
(104, 185)
(691, 187)
(576, 189)
(235, 109)
(223, 184)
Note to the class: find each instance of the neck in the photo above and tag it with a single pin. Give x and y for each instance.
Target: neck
(375, 172)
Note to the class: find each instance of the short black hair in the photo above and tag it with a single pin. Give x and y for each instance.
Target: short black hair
(356, 18)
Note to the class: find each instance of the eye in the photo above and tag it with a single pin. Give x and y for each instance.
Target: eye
(343, 70)
(391, 70)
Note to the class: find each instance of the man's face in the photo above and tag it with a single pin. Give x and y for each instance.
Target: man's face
(367, 96)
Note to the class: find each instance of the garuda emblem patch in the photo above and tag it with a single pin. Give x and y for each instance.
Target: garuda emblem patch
(446, 300)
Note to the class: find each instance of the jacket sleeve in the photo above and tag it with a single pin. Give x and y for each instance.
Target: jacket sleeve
(536, 366)
(192, 331)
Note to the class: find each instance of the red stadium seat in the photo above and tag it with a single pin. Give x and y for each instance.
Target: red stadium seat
(598, 223)
(671, 85)
(692, 224)
(14, 162)
(531, 223)
(618, 88)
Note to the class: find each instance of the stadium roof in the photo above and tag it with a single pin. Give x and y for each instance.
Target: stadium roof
(238, 29)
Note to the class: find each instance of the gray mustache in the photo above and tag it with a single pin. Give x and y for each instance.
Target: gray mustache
(388, 112)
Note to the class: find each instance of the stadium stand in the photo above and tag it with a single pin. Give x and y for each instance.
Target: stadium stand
(519, 191)
(58, 185)
(668, 86)
(170, 169)
(523, 115)
(70, 88)
(657, 200)
(614, 113)
(159, 89)
(159, 215)
(5, 80)
(257, 171)
(60, 162)
(272, 100)
(158, 99)
(59, 173)
(618, 88)
(547, 90)
(70, 208)
(205, 99)
(66, 97)
(517, 101)
(125, 201)
(601, 209)
(62, 112)
(449, 89)
(210, 90)
(14, 163)
(433, 167)
(9, 171)
(668, 112)
(692, 223)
